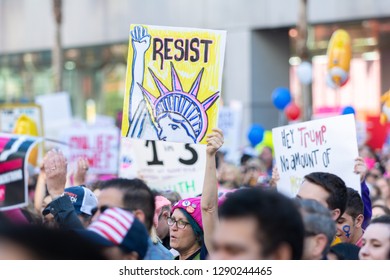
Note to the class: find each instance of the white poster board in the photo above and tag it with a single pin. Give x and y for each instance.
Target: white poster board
(229, 121)
(100, 145)
(56, 111)
(164, 165)
(325, 145)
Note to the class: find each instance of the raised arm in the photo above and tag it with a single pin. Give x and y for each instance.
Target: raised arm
(209, 201)
(61, 207)
(361, 169)
(140, 40)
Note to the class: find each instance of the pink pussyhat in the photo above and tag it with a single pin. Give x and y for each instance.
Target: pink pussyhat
(192, 207)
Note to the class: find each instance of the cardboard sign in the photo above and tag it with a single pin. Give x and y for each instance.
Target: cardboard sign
(25, 119)
(99, 145)
(325, 145)
(173, 83)
(164, 166)
(14, 151)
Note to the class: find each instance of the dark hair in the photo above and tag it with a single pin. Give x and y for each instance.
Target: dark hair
(136, 196)
(278, 220)
(334, 185)
(345, 251)
(385, 219)
(51, 244)
(355, 206)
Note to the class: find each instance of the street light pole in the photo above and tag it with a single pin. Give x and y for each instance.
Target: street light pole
(303, 53)
(57, 61)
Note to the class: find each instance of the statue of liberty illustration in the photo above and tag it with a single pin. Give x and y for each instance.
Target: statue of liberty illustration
(176, 115)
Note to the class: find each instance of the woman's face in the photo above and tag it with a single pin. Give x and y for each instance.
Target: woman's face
(174, 129)
(181, 239)
(376, 242)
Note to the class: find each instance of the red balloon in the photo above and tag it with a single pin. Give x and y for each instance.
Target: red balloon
(292, 111)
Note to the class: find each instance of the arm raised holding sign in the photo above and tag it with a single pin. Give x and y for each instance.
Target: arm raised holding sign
(209, 200)
(361, 169)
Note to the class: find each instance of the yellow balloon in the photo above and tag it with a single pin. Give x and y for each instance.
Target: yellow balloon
(267, 142)
(339, 57)
(26, 126)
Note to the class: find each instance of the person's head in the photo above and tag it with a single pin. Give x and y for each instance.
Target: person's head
(328, 189)
(120, 233)
(185, 226)
(384, 186)
(344, 251)
(319, 228)
(84, 202)
(133, 195)
(258, 224)
(229, 176)
(266, 156)
(172, 196)
(254, 168)
(349, 225)
(161, 214)
(36, 242)
(376, 240)
(379, 210)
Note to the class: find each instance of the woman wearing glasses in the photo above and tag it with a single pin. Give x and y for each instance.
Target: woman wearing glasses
(186, 229)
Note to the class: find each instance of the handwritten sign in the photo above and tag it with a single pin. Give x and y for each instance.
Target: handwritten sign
(173, 83)
(99, 145)
(14, 151)
(164, 166)
(325, 145)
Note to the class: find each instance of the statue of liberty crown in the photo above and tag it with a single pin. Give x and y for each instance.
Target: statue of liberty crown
(180, 102)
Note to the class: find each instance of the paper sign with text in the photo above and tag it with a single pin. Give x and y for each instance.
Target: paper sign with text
(173, 83)
(164, 165)
(99, 145)
(324, 145)
(14, 151)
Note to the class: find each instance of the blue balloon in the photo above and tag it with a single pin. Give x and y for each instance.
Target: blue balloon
(255, 134)
(348, 110)
(281, 97)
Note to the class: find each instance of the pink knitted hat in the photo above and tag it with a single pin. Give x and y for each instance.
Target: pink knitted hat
(192, 207)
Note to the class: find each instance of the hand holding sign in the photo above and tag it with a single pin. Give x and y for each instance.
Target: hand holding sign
(360, 168)
(55, 166)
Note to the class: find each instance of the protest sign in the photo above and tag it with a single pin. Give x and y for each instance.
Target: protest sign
(56, 111)
(23, 119)
(229, 122)
(173, 83)
(97, 144)
(164, 165)
(14, 151)
(325, 145)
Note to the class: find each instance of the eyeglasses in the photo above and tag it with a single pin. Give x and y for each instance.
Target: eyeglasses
(101, 209)
(180, 223)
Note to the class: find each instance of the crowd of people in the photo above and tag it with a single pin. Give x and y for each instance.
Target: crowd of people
(239, 215)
